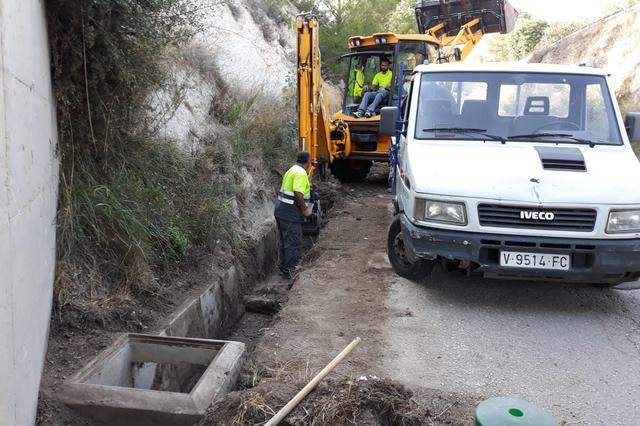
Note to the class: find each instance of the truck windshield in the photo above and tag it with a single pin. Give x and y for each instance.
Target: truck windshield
(545, 107)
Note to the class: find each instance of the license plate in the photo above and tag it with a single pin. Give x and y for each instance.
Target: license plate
(560, 262)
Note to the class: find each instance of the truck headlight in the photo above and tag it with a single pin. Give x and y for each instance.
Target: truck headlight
(624, 221)
(440, 211)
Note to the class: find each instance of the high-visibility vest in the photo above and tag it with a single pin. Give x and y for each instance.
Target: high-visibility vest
(358, 83)
(295, 180)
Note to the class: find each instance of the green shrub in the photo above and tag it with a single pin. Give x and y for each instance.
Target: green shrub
(132, 203)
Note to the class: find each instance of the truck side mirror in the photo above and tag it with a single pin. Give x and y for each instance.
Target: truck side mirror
(389, 119)
(632, 124)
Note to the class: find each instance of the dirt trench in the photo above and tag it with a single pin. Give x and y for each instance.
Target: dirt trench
(293, 328)
(339, 294)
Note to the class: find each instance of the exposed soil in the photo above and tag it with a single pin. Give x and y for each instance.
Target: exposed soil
(78, 335)
(339, 294)
(292, 329)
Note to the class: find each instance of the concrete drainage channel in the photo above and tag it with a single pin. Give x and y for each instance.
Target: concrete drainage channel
(172, 378)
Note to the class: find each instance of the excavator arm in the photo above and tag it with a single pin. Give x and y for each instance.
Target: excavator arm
(323, 138)
(468, 36)
(460, 24)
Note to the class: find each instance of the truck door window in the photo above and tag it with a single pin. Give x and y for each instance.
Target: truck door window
(406, 107)
(596, 119)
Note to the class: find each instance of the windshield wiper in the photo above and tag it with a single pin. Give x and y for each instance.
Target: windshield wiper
(554, 135)
(465, 130)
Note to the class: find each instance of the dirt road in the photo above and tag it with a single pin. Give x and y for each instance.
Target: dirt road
(572, 350)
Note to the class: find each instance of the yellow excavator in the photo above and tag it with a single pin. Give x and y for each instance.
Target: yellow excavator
(348, 145)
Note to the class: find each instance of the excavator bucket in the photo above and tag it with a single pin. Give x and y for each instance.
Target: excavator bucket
(496, 16)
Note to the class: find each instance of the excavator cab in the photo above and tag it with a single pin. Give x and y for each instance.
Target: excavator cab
(404, 52)
(362, 66)
(361, 69)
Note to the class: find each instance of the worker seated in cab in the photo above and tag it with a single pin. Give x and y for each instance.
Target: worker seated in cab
(377, 92)
(356, 85)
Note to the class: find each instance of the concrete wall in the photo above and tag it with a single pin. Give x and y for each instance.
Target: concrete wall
(28, 197)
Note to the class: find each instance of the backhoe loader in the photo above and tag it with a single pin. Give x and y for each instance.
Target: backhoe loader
(347, 145)
(449, 29)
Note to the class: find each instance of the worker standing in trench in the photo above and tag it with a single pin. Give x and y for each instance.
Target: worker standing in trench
(290, 211)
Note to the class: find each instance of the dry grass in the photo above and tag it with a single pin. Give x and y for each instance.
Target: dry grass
(363, 401)
(120, 231)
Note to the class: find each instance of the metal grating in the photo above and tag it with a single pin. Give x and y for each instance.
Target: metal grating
(582, 220)
(567, 165)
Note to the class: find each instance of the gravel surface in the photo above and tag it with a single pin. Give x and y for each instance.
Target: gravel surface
(570, 349)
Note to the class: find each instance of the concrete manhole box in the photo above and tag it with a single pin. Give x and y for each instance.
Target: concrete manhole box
(154, 380)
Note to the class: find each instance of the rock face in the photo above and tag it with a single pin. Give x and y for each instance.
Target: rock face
(609, 43)
(246, 50)
(253, 50)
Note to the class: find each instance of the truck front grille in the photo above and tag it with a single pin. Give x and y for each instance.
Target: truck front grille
(582, 220)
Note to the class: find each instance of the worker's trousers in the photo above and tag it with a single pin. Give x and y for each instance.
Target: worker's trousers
(376, 97)
(289, 244)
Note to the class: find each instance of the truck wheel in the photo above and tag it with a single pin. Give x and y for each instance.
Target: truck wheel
(350, 170)
(397, 257)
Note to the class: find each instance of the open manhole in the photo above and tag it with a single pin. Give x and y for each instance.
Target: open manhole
(154, 380)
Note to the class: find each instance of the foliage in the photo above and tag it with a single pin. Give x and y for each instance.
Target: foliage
(341, 19)
(497, 48)
(403, 18)
(528, 35)
(105, 57)
(557, 30)
(131, 202)
(525, 36)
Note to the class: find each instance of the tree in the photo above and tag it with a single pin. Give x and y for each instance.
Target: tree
(497, 48)
(341, 19)
(403, 18)
(525, 36)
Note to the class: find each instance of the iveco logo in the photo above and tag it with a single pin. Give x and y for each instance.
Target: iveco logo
(536, 215)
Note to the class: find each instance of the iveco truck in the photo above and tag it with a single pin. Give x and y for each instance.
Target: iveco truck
(514, 171)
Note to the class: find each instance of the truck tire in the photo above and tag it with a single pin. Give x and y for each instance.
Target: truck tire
(350, 170)
(415, 271)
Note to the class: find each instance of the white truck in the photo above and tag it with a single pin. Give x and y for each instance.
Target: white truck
(514, 171)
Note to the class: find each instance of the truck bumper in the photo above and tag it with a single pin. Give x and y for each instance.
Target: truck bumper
(592, 261)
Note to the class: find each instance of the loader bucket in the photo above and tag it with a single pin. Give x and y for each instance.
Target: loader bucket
(496, 16)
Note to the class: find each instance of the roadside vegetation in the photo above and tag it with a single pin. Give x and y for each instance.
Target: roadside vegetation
(133, 204)
(343, 18)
